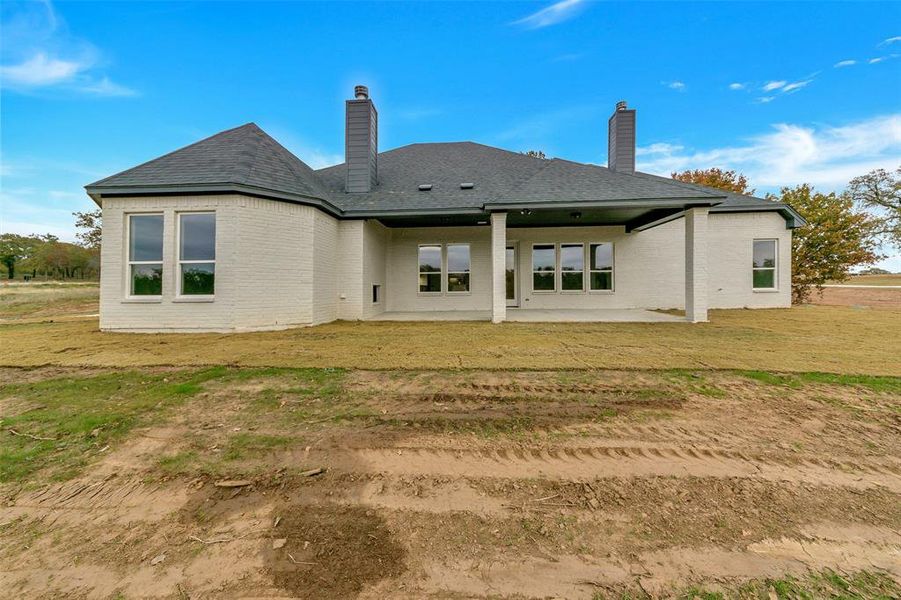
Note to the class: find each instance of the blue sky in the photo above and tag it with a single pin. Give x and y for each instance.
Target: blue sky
(785, 92)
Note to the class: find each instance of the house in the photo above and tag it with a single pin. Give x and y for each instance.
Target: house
(234, 233)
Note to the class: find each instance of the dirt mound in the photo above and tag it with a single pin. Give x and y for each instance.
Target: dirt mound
(332, 551)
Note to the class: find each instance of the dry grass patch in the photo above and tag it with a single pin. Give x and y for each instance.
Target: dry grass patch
(36, 301)
(809, 338)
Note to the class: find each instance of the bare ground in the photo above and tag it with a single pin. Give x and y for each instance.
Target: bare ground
(474, 485)
(859, 297)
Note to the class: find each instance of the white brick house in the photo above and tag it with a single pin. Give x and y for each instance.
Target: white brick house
(236, 233)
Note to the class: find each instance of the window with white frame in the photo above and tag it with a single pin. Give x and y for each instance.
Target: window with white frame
(600, 265)
(544, 267)
(458, 267)
(764, 265)
(572, 267)
(197, 254)
(145, 255)
(430, 269)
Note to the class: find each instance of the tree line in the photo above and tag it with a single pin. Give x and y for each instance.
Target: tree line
(33, 256)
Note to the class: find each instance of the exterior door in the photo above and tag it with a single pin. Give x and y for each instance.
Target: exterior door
(512, 276)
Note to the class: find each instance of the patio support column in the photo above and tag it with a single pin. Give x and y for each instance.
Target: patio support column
(498, 267)
(696, 265)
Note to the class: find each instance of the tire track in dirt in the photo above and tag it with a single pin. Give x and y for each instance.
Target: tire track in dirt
(577, 576)
(119, 500)
(612, 461)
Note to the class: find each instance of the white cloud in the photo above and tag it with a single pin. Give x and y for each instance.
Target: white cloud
(40, 70)
(551, 15)
(39, 54)
(675, 85)
(660, 148)
(795, 86)
(878, 59)
(890, 40)
(105, 87)
(825, 156)
(773, 85)
(765, 99)
(736, 86)
(844, 63)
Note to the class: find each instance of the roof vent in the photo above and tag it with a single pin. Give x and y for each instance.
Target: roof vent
(425, 187)
(467, 186)
(361, 92)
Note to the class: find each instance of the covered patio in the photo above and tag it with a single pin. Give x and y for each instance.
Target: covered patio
(537, 315)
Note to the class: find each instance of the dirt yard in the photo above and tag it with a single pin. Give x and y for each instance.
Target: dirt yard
(859, 297)
(322, 483)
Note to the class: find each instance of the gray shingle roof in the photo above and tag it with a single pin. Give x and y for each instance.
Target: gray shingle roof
(500, 176)
(245, 156)
(247, 159)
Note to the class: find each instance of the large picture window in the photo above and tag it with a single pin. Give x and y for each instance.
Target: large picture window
(600, 264)
(544, 267)
(145, 255)
(572, 267)
(458, 266)
(197, 254)
(764, 266)
(430, 269)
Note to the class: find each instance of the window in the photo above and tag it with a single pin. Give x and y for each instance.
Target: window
(197, 254)
(572, 267)
(764, 267)
(458, 267)
(376, 293)
(544, 267)
(600, 264)
(430, 269)
(145, 255)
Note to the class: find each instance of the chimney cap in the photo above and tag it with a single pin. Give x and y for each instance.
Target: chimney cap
(361, 92)
(621, 105)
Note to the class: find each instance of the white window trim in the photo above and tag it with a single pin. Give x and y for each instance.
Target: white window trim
(179, 297)
(420, 272)
(560, 267)
(556, 271)
(774, 268)
(446, 272)
(445, 288)
(128, 296)
(611, 270)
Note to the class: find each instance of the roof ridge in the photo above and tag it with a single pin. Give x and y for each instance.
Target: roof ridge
(168, 154)
(253, 155)
(292, 166)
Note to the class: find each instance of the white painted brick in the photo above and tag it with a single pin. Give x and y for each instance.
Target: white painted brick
(280, 264)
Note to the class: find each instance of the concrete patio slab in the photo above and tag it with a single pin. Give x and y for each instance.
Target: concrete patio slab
(526, 315)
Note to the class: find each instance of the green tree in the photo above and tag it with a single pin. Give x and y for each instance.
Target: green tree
(880, 191)
(89, 222)
(835, 239)
(15, 249)
(731, 181)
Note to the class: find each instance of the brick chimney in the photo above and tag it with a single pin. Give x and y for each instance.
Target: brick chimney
(621, 139)
(361, 142)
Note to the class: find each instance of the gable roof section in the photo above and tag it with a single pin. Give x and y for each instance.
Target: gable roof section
(243, 159)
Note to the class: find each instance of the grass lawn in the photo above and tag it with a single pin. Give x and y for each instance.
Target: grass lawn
(30, 301)
(831, 339)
